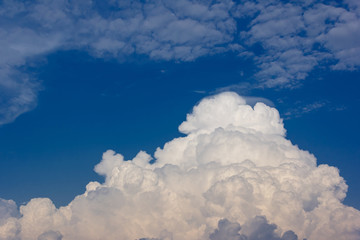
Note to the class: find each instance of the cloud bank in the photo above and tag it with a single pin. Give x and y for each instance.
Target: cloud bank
(293, 37)
(233, 175)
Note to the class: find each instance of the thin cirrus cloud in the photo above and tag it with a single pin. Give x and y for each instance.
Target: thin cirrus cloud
(294, 37)
(299, 110)
(251, 184)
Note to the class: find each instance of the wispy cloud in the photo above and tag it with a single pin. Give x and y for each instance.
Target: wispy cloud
(298, 110)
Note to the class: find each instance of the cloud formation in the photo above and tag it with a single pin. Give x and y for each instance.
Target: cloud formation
(233, 175)
(294, 37)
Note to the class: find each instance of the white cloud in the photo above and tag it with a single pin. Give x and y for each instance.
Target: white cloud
(9, 226)
(18, 94)
(233, 175)
(230, 109)
(8, 209)
(287, 56)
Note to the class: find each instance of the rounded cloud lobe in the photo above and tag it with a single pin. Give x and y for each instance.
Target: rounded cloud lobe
(233, 176)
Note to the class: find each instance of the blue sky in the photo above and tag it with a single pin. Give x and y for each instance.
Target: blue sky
(90, 105)
(80, 77)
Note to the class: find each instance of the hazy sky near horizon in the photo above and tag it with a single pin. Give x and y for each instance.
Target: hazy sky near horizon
(78, 78)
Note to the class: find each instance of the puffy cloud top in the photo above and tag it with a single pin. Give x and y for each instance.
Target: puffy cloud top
(229, 110)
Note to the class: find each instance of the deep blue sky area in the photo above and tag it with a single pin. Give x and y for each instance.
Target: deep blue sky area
(80, 77)
(89, 105)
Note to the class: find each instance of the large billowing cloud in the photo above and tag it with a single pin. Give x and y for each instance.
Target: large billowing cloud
(294, 37)
(233, 175)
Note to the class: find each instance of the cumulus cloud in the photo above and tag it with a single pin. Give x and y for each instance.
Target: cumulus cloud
(294, 37)
(9, 227)
(234, 175)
